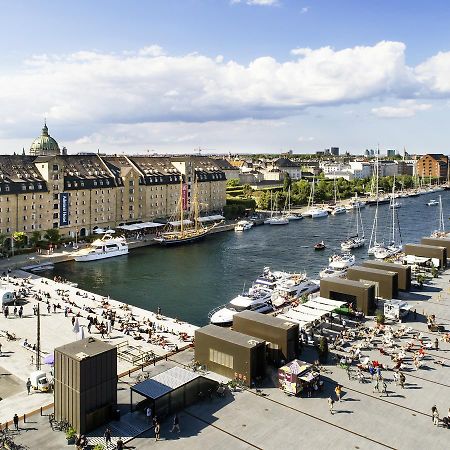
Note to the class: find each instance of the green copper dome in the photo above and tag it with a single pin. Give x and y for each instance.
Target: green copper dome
(44, 145)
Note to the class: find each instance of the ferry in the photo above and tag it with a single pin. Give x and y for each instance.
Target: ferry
(106, 247)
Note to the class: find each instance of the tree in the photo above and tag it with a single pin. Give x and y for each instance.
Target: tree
(35, 237)
(233, 182)
(52, 235)
(287, 182)
(247, 191)
(20, 239)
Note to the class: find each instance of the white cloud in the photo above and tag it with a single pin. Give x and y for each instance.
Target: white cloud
(404, 109)
(92, 91)
(434, 73)
(257, 2)
(304, 10)
(305, 139)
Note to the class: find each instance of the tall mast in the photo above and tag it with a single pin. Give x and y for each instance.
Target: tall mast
(393, 211)
(181, 206)
(196, 212)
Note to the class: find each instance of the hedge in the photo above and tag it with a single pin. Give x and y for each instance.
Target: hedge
(247, 203)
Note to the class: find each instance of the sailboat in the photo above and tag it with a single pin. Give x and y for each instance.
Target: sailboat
(275, 219)
(185, 231)
(440, 232)
(394, 247)
(313, 211)
(338, 209)
(289, 215)
(373, 243)
(355, 241)
(394, 203)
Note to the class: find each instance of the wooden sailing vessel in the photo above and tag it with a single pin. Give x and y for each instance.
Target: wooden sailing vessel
(185, 230)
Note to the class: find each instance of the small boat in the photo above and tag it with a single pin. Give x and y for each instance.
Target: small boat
(320, 246)
(357, 240)
(243, 225)
(395, 205)
(433, 203)
(317, 212)
(277, 220)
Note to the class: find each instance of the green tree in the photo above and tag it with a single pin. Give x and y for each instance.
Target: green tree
(20, 239)
(35, 237)
(247, 191)
(287, 182)
(52, 235)
(233, 182)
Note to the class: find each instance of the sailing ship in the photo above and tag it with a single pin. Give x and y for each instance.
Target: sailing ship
(395, 246)
(289, 215)
(337, 208)
(313, 211)
(275, 219)
(440, 232)
(357, 240)
(185, 231)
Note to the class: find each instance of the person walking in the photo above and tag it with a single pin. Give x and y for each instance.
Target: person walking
(157, 430)
(331, 404)
(107, 436)
(433, 410)
(385, 391)
(402, 379)
(436, 344)
(176, 423)
(119, 444)
(20, 312)
(28, 385)
(16, 422)
(338, 391)
(436, 417)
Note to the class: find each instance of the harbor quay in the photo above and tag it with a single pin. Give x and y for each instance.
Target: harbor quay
(142, 337)
(367, 417)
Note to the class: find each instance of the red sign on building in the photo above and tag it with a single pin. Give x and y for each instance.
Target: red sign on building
(184, 197)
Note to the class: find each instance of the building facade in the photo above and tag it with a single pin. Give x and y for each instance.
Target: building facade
(80, 193)
(433, 165)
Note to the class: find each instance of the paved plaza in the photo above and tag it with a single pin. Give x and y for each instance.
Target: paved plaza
(364, 419)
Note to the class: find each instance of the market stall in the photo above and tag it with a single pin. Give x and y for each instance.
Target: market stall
(298, 376)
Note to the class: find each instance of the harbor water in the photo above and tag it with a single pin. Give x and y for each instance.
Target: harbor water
(186, 282)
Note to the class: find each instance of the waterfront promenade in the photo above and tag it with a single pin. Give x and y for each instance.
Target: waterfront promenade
(364, 419)
(130, 332)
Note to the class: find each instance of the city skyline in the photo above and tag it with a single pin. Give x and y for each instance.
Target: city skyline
(225, 76)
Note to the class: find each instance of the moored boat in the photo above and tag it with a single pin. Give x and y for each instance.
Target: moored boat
(106, 247)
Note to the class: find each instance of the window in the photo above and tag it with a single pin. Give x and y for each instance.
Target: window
(55, 206)
(55, 215)
(221, 358)
(55, 196)
(55, 224)
(55, 167)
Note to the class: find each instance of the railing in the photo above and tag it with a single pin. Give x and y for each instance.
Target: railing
(211, 313)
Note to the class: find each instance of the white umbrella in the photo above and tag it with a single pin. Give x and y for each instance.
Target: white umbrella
(76, 326)
(80, 334)
(110, 231)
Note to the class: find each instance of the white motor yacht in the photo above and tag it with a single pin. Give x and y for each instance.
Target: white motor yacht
(317, 212)
(293, 216)
(338, 210)
(106, 247)
(258, 300)
(243, 225)
(395, 205)
(341, 261)
(433, 203)
(277, 220)
(330, 272)
(353, 242)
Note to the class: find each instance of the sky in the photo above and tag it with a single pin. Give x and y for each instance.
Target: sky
(225, 76)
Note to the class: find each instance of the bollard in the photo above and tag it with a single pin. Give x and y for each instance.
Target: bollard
(24, 418)
(41, 410)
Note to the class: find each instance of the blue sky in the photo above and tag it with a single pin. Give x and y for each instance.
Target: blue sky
(225, 75)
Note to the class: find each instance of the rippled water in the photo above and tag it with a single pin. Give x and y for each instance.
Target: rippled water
(187, 282)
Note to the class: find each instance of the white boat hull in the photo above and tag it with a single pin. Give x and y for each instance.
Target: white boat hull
(103, 255)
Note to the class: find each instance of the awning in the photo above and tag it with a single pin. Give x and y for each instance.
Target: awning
(320, 306)
(177, 223)
(140, 226)
(304, 309)
(300, 323)
(210, 218)
(327, 301)
(164, 382)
